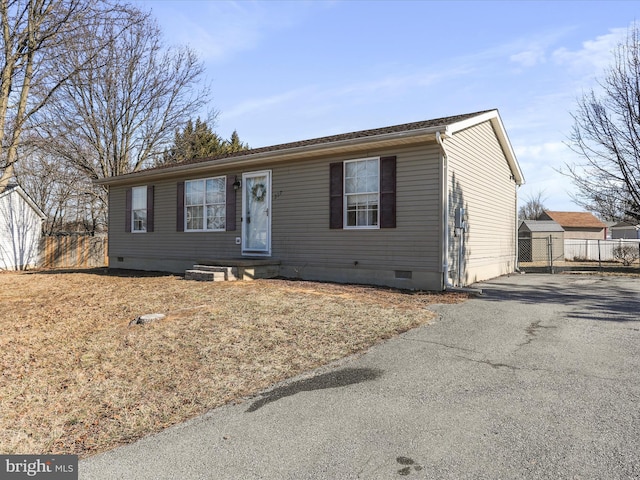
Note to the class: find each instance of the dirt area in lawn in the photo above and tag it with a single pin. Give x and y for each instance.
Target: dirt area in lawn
(78, 379)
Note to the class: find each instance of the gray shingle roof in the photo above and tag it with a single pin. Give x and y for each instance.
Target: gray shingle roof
(542, 226)
(405, 127)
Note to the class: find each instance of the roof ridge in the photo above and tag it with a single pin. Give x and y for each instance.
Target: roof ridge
(441, 121)
(575, 219)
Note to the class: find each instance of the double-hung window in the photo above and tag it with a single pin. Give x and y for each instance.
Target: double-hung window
(205, 204)
(139, 209)
(362, 193)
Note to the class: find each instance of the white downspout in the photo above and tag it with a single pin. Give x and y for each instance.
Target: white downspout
(516, 267)
(445, 214)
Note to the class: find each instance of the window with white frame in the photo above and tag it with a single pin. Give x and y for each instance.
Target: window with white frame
(362, 193)
(139, 209)
(205, 204)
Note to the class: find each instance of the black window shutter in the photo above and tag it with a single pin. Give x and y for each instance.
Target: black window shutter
(231, 204)
(180, 207)
(335, 195)
(388, 192)
(150, 191)
(127, 211)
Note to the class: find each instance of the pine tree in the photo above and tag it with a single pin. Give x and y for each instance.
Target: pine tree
(200, 141)
(234, 144)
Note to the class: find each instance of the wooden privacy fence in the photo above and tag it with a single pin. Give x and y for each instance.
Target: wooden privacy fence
(74, 251)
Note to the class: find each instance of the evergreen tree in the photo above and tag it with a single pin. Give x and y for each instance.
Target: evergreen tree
(200, 141)
(234, 144)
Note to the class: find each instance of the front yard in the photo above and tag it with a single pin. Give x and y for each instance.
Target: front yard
(76, 378)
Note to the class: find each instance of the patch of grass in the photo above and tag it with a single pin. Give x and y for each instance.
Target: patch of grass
(76, 378)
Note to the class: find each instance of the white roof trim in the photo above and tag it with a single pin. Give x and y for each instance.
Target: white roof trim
(494, 117)
(18, 189)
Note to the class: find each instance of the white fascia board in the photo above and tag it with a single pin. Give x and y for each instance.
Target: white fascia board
(494, 117)
(18, 189)
(470, 122)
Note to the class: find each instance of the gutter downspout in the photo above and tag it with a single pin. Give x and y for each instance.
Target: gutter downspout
(446, 283)
(516, 239)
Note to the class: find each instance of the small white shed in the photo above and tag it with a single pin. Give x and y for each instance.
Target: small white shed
(20, 229)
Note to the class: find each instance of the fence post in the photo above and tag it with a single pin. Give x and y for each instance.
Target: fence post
(599, 257)
(586, 250)
(550, 251)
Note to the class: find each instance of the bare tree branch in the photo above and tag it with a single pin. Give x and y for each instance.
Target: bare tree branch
(606, 133)
(121, 113)
(533, 208)
(36, 34)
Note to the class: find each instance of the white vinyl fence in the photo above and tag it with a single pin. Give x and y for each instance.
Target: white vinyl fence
(595, 250)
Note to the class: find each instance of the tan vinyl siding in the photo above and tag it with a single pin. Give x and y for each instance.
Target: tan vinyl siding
(301, 238)
(578, 233)
(164, 244)
(301, 218)
(480, 180)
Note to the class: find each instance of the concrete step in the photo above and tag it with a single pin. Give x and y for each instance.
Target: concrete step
(204, 276)
(231, 273)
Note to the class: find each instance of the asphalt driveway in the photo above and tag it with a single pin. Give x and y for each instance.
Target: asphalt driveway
(538, 378)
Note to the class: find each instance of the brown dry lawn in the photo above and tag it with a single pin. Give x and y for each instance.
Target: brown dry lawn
(77, 379)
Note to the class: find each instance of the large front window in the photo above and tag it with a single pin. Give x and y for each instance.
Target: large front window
(361, 191)
(205, 208)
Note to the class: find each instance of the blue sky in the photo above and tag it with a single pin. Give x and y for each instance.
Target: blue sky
(287, 71)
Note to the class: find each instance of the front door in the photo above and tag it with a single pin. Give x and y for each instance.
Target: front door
(256, 213)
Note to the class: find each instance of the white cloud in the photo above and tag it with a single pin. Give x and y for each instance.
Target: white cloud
(219, 30)
(541, 164)
(316, 98)
(529, 58)
(531, 51)
(229, 28)
(594, 54)
(251, 106)
(556, 192)
(400, 83)
(542, 150)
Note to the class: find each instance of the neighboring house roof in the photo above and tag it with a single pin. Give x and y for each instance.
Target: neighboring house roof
(575, 219)
(541, 226)
(15, 188)
(626, 226)
(395, 135)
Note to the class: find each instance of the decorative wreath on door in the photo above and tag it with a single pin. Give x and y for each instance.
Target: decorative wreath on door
(259, 192)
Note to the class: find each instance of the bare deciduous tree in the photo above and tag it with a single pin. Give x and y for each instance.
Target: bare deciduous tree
(532, 208)
(63, 193)
(94, 91)
(606, 134)
(35, 35)
(118, 115)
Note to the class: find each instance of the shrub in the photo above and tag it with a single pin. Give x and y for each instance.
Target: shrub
(627, 254)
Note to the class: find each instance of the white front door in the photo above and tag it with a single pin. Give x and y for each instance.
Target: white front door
(256, 213)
